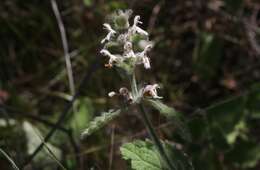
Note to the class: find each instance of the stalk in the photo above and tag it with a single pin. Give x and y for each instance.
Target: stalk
(155, 138)
(150, 128)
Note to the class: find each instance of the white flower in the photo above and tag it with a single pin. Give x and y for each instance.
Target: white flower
(135, 29)
(151, 91)
(146, 62)
(147, 48)
(111, 94)
(125, 38)
(143, 58)
(112, 58)
(111, 32)
(137, 20)
(128, 50)
(143, 43)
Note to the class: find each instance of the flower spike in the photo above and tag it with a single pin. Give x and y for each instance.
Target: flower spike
(125, 41)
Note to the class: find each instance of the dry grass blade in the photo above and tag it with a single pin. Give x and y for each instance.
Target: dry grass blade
(49, 151)
(9, 159)
(65, 46)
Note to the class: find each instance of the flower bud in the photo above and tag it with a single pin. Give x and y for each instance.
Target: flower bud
(121, 19)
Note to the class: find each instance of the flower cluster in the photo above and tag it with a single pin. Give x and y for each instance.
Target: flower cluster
(149, 91)
(123, 46)
(123, 35)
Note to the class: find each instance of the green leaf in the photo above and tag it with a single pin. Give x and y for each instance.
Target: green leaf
(163, 109)
(173, 115)
(144, 156)
(100, 121)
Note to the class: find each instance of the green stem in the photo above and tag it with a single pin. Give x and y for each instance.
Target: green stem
(133, 84)
(155, 138)
(149, 126)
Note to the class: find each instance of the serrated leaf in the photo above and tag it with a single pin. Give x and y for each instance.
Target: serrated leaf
(142, 154)
(100, 121)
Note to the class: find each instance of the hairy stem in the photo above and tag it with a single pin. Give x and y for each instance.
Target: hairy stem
(155, 138)
(149, 126)
(133, 85)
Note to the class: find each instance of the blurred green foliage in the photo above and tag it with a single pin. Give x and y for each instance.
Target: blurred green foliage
(203, 57)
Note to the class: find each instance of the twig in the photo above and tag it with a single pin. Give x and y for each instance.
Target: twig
(65, 46)
(9, 159)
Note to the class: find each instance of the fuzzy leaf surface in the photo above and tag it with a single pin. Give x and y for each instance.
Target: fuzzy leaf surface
(142, 154)
(100, 121)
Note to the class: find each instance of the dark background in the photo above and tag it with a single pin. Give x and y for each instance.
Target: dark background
(206, 57)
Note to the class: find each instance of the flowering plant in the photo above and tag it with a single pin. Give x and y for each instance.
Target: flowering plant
(127, 46)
